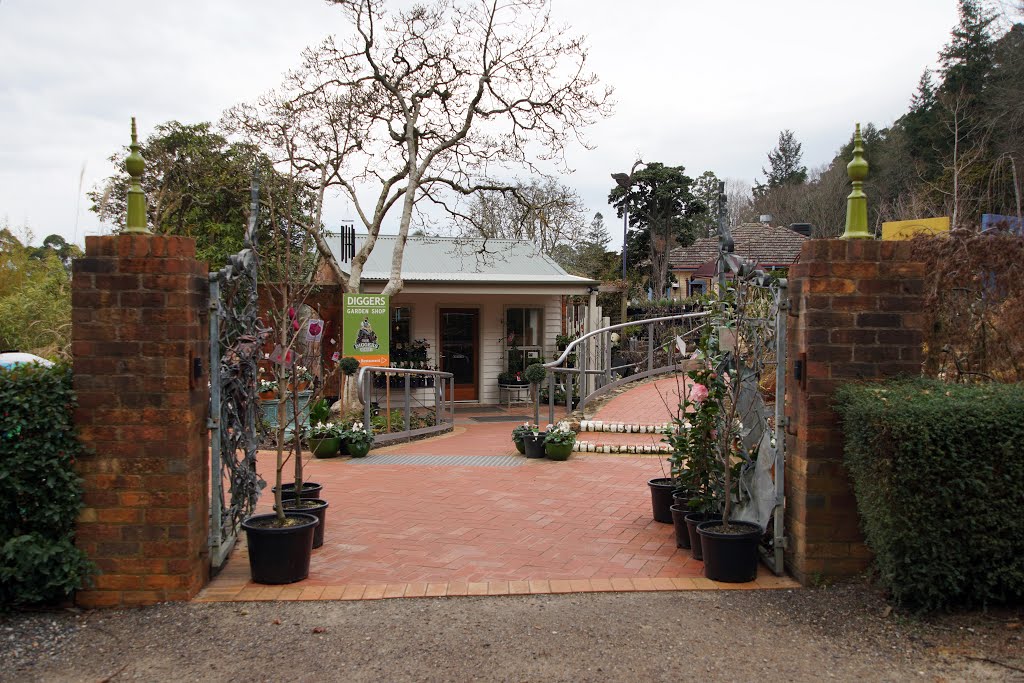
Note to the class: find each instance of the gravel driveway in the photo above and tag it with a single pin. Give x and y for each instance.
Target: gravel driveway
(841, 633)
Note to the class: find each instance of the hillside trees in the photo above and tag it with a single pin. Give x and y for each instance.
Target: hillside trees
(427, 104)
(35, 296)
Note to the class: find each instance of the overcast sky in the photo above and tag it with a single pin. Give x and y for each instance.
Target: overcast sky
(707, 85)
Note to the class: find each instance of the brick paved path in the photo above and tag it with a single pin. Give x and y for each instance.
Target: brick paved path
(414, 530)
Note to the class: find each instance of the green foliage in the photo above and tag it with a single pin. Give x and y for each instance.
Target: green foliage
(35, 298)
(40, 494)
(938, 474)
(661, 209)
(784, 165)
(560, 436)
(358, 436)
(320, 411)
(535, 373)
(349, 365)
(197, 185)
(520, 431)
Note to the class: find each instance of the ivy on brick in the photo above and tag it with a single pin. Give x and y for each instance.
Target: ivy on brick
(938, 473)
(40, 494)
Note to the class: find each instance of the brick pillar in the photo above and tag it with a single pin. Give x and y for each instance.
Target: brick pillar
(139, 318)
(856, 314)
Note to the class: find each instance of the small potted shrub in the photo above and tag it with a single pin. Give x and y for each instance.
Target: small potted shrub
(519, 434)
(358, 440)
(558, 442)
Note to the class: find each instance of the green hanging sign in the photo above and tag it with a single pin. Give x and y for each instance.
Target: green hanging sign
(366, 327)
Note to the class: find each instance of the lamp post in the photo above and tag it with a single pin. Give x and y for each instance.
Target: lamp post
(625, 181)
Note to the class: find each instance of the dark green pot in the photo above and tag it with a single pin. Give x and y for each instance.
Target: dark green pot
(557, 451)
(325, 448)
(358, 451)
(521, 447)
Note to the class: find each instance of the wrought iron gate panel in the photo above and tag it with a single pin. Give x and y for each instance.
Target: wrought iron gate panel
(236, 345)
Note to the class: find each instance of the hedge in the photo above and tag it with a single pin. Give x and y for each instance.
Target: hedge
(40, 494)
(938, 473)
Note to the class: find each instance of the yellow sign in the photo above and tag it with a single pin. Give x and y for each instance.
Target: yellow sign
(904, 230)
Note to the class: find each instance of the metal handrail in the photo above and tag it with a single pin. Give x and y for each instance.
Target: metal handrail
(444, 408)
(604, 380)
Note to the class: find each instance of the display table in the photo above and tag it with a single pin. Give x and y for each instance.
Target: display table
(507, 391)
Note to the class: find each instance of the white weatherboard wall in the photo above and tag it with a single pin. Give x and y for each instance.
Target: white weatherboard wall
(426, 309)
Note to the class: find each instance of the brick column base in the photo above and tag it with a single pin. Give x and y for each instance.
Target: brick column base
(856, 315)
(139, 324)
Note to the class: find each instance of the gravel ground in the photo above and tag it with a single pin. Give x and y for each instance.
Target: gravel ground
(840, 632)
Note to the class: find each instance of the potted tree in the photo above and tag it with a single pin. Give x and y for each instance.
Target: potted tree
(535, 374)
(729, 547)
(693, 457)
(280, 543)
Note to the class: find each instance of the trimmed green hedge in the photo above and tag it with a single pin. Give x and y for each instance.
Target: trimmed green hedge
(938, 471)
(40, 494)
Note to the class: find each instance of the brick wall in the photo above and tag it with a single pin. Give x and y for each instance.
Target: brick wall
(139, 314)
(856, 314)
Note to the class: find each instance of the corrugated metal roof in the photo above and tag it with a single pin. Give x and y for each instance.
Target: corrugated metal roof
(454, 259)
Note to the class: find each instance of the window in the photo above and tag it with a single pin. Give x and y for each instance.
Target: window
(401, 333)
(523, 337)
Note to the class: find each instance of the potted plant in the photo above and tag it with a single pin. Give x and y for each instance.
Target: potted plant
(533, 440)
(324, 436)
(358, 440)
(693, 458)
(519, 434)
(729, 547)
(300, 378)
(558, 442)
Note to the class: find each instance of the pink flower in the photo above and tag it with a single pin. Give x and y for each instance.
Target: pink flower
(698, 393)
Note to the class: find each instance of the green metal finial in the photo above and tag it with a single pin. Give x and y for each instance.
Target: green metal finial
(857, 201)
(135, 164)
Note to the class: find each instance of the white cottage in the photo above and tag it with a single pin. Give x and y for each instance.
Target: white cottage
(481, 305)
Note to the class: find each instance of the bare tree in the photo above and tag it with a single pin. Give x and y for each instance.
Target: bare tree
(543, 211)
(427, 103)
(963, 166)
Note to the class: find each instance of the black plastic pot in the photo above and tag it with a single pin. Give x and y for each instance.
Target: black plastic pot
(319, 511)
(661, 499)
(692, 520)
(534, 444)
(729, 557)
(679, 522)
(310, 490)
(280, 555)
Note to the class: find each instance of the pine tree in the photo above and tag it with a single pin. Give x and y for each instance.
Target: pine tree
(784, 167)
(967, 61)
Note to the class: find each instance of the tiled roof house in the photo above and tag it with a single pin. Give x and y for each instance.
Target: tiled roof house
(771, 246)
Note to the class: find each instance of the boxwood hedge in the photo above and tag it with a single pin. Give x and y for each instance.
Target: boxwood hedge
(40, 494)
(938, 472)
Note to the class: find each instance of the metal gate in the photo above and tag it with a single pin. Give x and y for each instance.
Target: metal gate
(236, 342)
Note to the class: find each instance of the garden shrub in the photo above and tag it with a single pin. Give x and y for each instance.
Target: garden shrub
(40, 494)
(938, 472)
